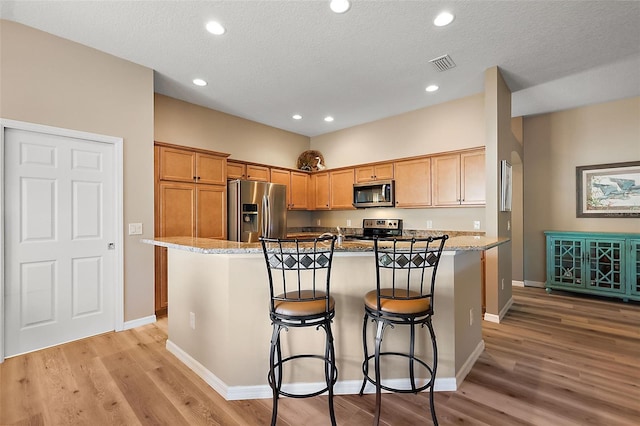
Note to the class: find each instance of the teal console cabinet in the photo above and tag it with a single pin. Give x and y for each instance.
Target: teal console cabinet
(605, 264)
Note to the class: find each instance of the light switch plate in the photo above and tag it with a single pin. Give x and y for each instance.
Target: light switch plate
(476, 224)
(135, 229)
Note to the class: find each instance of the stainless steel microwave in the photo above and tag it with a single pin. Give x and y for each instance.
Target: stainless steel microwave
(374, 194)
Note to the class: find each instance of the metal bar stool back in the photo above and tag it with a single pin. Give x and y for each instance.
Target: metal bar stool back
(404, 295)
(299, 272)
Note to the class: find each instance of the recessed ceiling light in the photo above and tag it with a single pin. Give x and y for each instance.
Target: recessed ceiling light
(215, 28)
(340, 6)
(328, 119)
(445, 18)
(199, 82)
(296, 117)
(431, 88)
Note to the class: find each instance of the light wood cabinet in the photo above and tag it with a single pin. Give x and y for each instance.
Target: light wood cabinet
(182, 165)
(299, 191)
(297, 187)
(341, 189)
(236, 170)
(374, 172)
(413, 183)
(259, 173)
(459, 179)
(473, 178)
(320, 189)
(190, 201)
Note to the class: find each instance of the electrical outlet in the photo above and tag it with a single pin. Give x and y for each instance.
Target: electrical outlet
(135, 229)
(508, 225)
(318, 222)
(192, 320)
(348, 222)
(471, 316)
(429, 224)
(476, 224)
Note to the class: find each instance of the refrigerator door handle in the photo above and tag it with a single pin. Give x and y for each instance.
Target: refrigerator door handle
(265, 216)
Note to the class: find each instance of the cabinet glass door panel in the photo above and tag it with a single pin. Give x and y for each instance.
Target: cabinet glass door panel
(604, 266)
(566, 266)
(634, 267)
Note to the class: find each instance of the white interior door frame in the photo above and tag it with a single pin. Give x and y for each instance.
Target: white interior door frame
(118, 202)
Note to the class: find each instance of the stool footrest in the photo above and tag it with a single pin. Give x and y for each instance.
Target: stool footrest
(279, 365)
(397, 390)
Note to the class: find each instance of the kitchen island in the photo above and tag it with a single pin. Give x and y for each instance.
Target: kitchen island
(219, 323)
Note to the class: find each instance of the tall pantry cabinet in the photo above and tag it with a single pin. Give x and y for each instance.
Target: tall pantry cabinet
(191, 197)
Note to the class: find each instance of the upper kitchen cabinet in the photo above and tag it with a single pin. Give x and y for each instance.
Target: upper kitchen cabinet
(368, 173)
(236, 170)
(185, 165)
(413, 182)
(255, 172)
(297, 187)
(459, 178)
(341, 189)
(320, 191)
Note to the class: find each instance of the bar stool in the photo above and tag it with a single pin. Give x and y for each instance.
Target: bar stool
(299, 273)
(405, 282)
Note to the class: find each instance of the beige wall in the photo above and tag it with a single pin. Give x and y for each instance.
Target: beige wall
(48, 80)
(449, 126)
(555, 144)
(501, 145)
(182, 123)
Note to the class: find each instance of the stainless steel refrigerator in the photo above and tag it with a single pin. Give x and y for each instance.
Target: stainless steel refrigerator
(256, 209)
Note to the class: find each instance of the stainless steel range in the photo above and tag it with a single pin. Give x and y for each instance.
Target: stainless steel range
(381, 228)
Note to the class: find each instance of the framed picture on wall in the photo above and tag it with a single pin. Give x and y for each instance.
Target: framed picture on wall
(506, 183)
(608, 190)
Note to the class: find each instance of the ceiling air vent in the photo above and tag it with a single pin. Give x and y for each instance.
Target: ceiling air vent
(443, 63)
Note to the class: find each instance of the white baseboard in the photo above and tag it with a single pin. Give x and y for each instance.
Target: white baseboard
(139, 322)
(342, 387)
(516, 283)
(497, 318)
(529, 283)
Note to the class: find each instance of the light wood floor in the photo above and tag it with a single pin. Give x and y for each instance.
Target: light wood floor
(555, 360)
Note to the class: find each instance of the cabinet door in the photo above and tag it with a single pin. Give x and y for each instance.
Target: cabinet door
(371, 173)
(299, 191)
(211, 211)
(160, 280)
(633, 275)
(364, 174)
(177, 215)
(604, 265)
(446, 180)
(177, 165)
(211, 169)
(564, 262)
(321, 190)
(341, 189)
(283, 177)
(413, 183)
(473, 177)
(259, 173)
(236, 170)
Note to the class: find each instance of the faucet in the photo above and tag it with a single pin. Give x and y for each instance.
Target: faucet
(339, 235)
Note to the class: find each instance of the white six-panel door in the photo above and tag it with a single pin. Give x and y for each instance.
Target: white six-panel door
(60, 259)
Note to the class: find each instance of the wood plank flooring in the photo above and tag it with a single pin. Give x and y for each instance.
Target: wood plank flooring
(556, 359)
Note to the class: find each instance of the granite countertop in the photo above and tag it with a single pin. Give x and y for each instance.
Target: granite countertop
(211, 246)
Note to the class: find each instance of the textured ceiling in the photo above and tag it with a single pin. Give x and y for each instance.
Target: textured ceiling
(284, 57)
